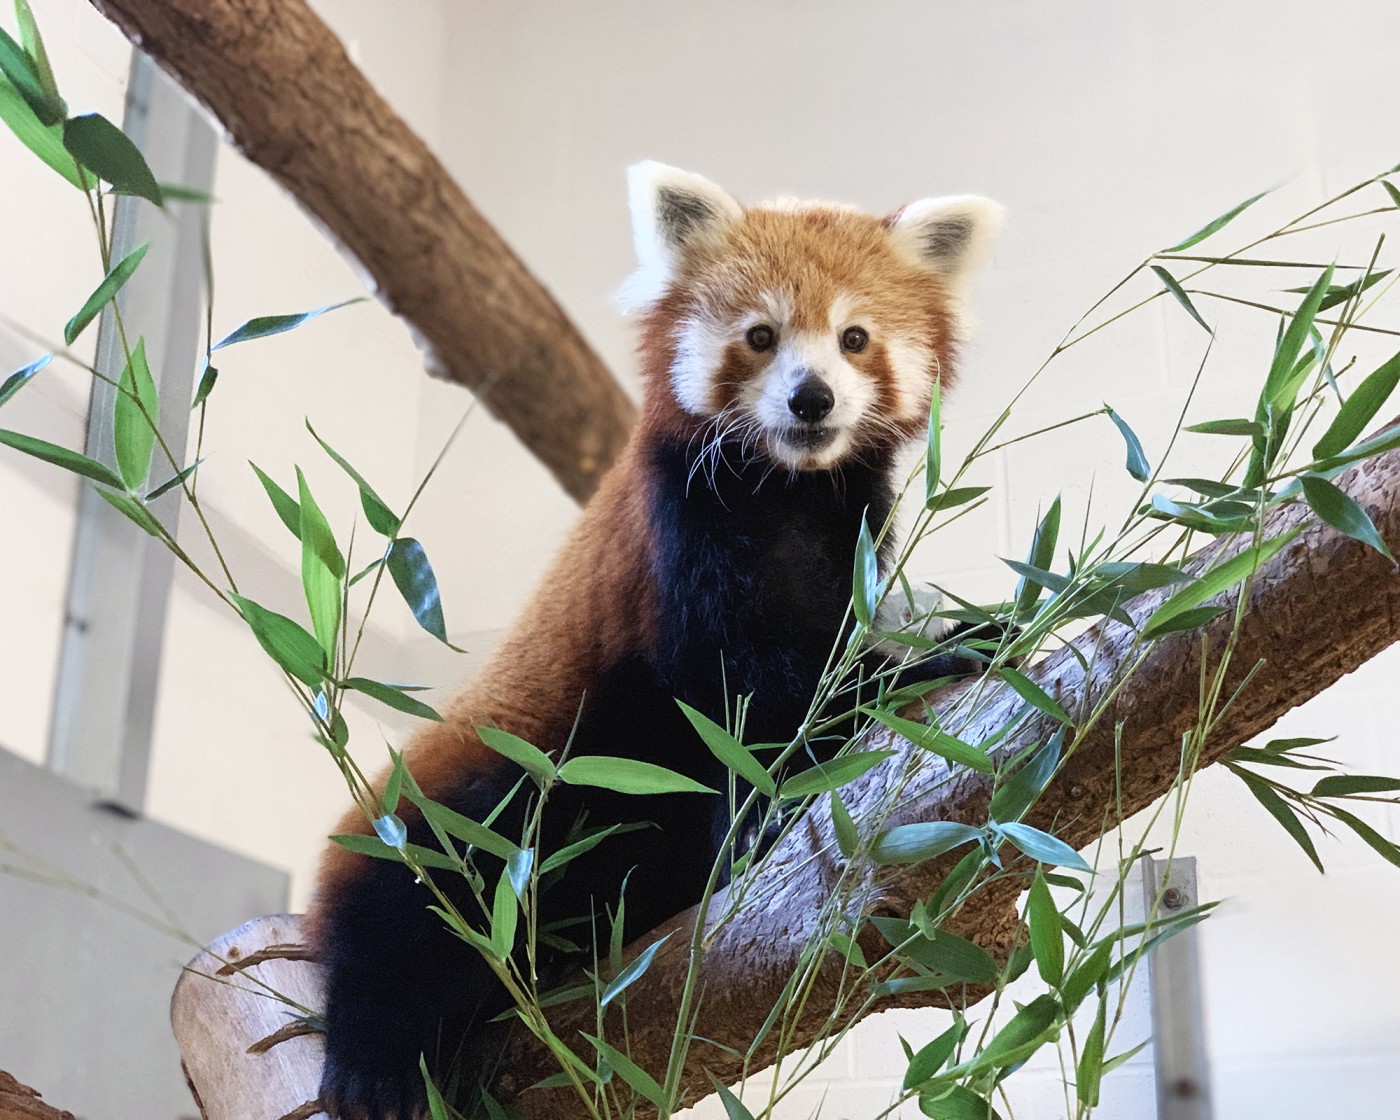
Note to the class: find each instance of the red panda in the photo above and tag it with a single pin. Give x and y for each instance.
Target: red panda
(789, 352)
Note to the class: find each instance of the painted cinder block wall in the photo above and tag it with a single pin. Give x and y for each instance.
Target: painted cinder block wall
(1107, 130)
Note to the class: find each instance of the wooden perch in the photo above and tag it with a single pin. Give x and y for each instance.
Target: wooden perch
(1319, 609)
(20, 1102)
(280, 83)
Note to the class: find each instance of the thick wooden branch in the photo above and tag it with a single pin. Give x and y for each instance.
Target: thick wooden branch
(20, 1102)
(1321, 608)
(280, 83)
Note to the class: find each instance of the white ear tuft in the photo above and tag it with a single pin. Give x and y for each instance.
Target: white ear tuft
(673, 212)
(949, 236)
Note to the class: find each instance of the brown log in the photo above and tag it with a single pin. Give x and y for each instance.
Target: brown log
(246, 1055)
(20, 1102)
(1318, 610)
(290, 99)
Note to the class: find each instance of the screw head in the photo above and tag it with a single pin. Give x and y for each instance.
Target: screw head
(1173, 898)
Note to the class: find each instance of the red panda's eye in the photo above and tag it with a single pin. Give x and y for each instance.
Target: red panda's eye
(760, 337)
(854, 339)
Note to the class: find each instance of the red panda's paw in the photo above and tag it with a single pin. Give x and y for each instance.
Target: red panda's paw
(358, 1093)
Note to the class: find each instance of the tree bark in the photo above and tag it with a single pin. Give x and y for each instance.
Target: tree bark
(280, 83)
(20, 1102)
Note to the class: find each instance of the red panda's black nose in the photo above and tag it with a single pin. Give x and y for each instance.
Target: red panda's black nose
(812, 399)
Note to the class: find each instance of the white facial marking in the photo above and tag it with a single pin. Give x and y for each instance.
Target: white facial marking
(912, 363)
(700, 344)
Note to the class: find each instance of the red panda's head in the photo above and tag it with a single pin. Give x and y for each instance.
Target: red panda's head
(808, 332)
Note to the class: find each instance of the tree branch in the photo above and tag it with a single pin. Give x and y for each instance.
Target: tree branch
(280, 83)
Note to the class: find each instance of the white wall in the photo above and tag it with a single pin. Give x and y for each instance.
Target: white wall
(1106, 129)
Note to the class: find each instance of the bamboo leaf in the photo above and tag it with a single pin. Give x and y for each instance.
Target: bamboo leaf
(524, 754)
(1170, 283)
(1215, 224)
(1011, 799)
(1291, 344)
(730, 751)
(1219, 579)
(207, 379)
(1042, 556)
(847, 838)
(135, 414)
(633, 971)
(933, 457)
(1345, 785)
(1384, 848)
(957, 1103)
(935, 741)
(1359, 409)
(1137, 461)
(62, 457)
(174, 481)
(626, 775)
(266, 325)
(637, 1078)
(957, 496)
(104, 293)
(21, 377)
(453, 823)
(287, 643)
(33, 44)
(1234, 427)
(865, 579)
(734, 1108)
(1047, 933)
(414, 577)
(934, 1056)
(1034, 695)
(393, 697)
(1339, 510)
(505, 916)
(288, 510)
(1089, 1073)
(322, 568)
(827, 776)
(376, 848)
(1042, 846)
(108, 153)
(382, 519)
(925, 840)
(44, 140)
(956, 957)
(23, 75)
(1279, 809)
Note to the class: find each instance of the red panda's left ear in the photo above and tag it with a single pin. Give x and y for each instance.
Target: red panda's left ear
(673, 213)
(948, 236)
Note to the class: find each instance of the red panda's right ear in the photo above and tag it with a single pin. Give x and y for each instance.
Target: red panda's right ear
(673, 212)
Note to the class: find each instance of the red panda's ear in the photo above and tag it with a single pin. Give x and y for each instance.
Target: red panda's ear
(948, 236)
(673, 212)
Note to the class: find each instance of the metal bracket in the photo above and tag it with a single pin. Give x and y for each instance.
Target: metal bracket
(1178, 1019)
(105, 694)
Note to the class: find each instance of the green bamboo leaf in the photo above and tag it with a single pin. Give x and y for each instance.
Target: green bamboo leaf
(1042, 846)
(383, 520)
(847, 838)
(734, 1108)
(865, 590)
(626, 775)
(731, 752)
(391, 830)
(935, 741)
(1137, 460)
(957, 1103)
(62, 457)
(322, 568)
(21, 72)
(956, 957)
(637, 1078)
(934, 1056)
(925, 840)
(286, 506)
(452, 823)
(103, 293)
(634, 970)
(33, 44)
(824, 777)
(1392, 192)
(1233, 427)
(1342, 293)
(44, 140)
(1042, 556)
(414, 577)
(376, 848)
(1034, 695)
(174, 481)
(1279, 809)
(1170, 283)
(1359, 409)
(1029, 1027)
(134, 511)
(1219, 579)
(1089, 1073)
(957, 496)
(571, 852)
(1385, 440)
(1345, 785)
(1012, 798)
(1083, 979)
(135, 415)
(1215, 224)
(207, 380)
(933, 455)
(505, 916)
(1291, 344)
(20, 378)
(437, 1107)
(1047, 932)
(287, 643)
(523, 753)
(1384, 848)
(106, 151)
(1341, 511)
(266, 325)
(393, 697)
